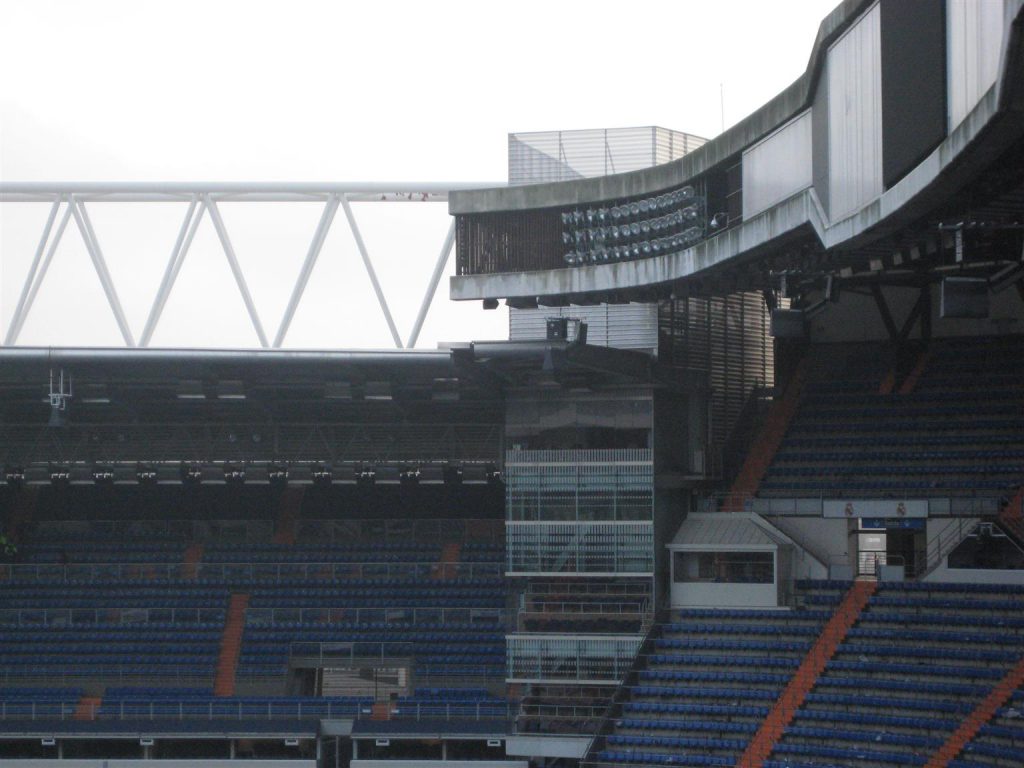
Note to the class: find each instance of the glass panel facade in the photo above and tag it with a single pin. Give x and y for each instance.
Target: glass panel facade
(580, 547)
(724, 567)
(582, 659)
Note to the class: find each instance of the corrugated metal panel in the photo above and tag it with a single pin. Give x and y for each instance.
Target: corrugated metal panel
(545, 156)
(778, 166)
(855, 116)
(623, 326)
(728, 338)
(975, 29)
(727, 529)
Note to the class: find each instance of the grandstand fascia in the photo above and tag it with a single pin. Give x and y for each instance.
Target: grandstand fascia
(164, 407)
(972, 172)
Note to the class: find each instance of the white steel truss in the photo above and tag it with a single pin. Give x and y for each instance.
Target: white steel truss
(67, 202)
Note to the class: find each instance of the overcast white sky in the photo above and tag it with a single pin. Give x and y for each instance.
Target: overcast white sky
(238, 90)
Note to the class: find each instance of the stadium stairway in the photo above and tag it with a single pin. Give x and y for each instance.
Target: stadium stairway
(190, 561)
(806, 675)
(87, 708)
(984, 712)
(768, 441)
(231, 646)
(910, 383)
(288, 515)
(447, 568)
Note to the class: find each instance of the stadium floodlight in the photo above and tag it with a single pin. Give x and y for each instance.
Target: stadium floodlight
(191, 474)
(686, 193)
(634, 209)
(14, 476)
(689, 213)
(321, 474)
(719, 220)
(692, 235)
(644, 206)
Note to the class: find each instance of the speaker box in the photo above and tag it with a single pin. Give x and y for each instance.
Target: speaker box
(558, 328)
(964, 297)
(788, 324)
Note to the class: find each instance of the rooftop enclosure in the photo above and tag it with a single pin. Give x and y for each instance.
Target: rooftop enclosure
(824, 178)
(544, 156)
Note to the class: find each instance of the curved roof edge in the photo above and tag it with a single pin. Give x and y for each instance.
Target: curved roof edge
(795, 98)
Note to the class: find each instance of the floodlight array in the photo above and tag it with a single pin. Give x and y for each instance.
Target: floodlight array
(653, 226)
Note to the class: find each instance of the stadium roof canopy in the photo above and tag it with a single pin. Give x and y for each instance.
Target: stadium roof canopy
(893, 159)
(124, 407)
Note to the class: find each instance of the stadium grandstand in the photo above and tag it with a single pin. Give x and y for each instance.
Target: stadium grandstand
(743, 488)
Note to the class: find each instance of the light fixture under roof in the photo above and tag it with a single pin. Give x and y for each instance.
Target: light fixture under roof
(377, 390)
(230, 389)
(191, 389)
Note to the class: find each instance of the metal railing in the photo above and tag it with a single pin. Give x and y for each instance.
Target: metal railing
(944, 542)
(541, 658)
(261, 708)
(580, 547)
(388, 653)
(811, 502)
(243, 571)
(85, 617)
(485, 618)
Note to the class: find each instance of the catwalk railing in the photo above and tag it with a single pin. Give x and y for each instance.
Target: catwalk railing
(227, 572)
(247, 708)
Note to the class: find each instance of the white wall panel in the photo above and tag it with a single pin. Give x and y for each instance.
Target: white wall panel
(778, 166)
(975, 39)
(623, 326)
(855, 116)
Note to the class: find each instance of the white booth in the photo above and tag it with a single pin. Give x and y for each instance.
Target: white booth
(729, 559)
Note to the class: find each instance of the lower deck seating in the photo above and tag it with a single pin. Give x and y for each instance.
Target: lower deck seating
(99, 610)
(917, 662)
(920, 658)
(711, 679)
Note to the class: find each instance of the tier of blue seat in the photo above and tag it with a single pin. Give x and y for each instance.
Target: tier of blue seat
(916, 663)
(918, 660)
(711, 678)
(159, 622)
(438, 647)
(959, 432)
